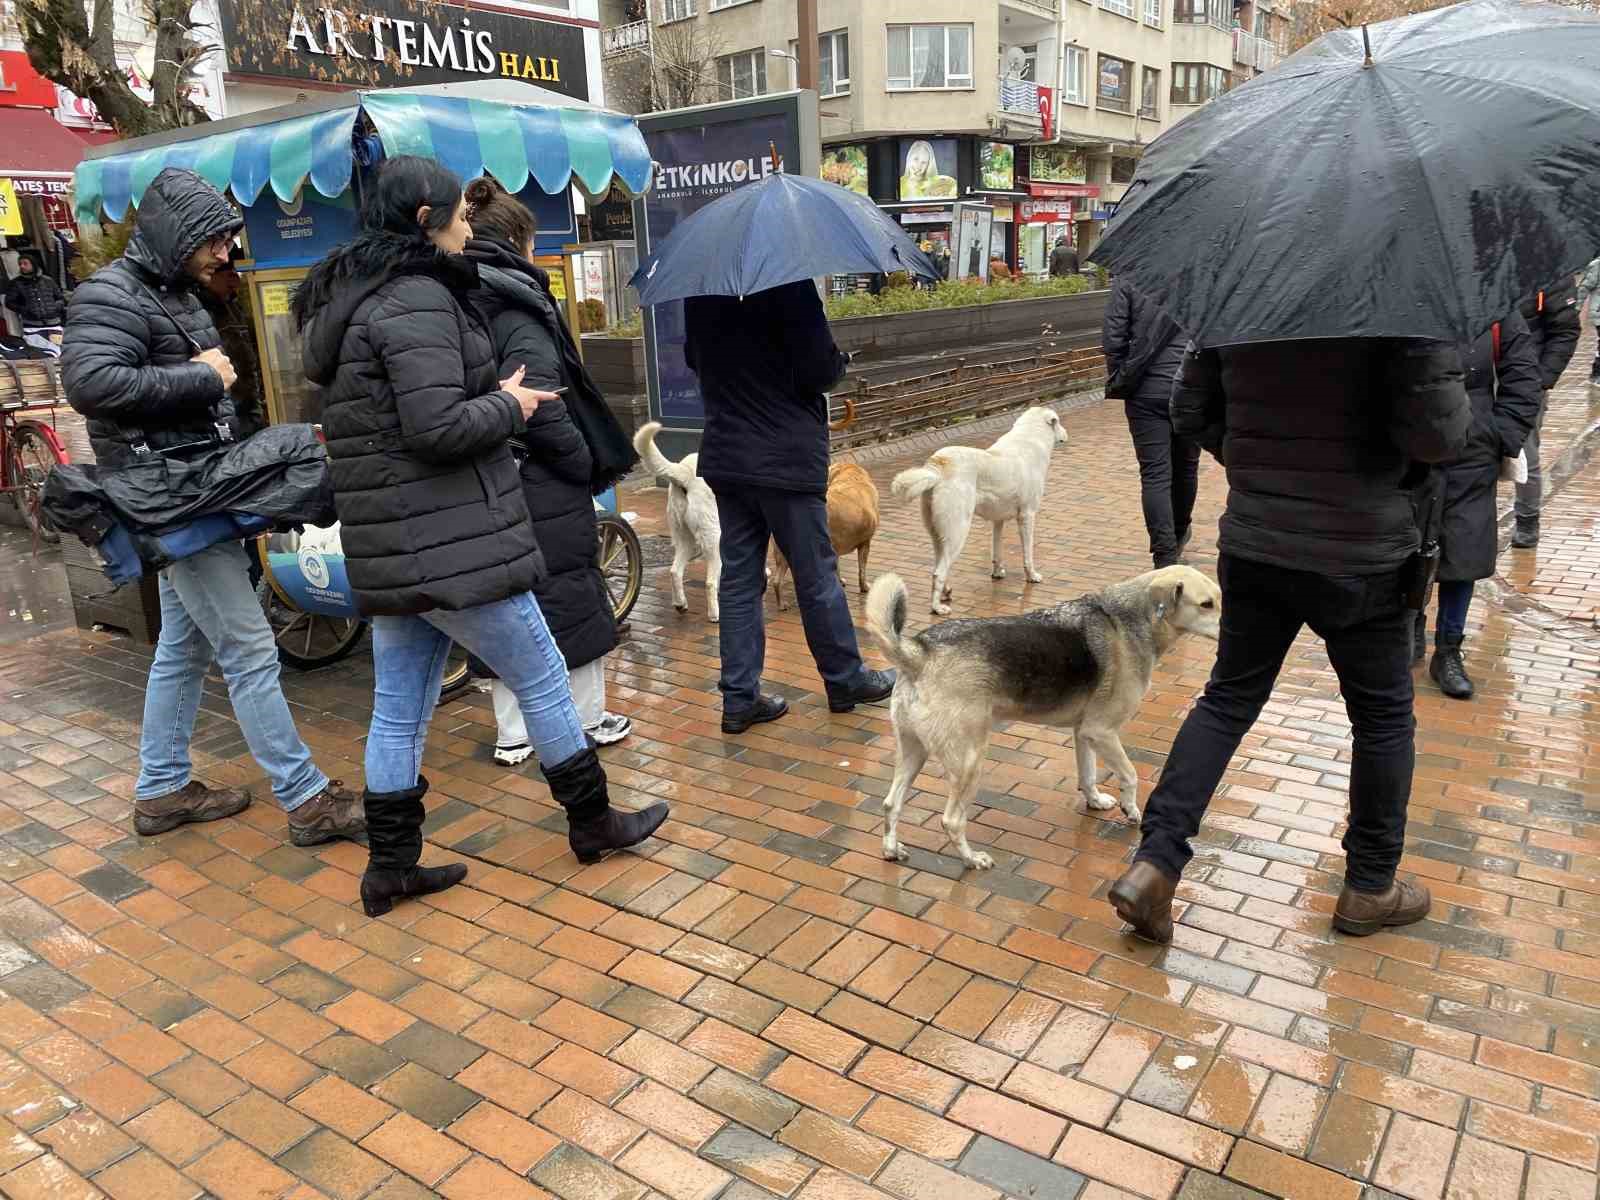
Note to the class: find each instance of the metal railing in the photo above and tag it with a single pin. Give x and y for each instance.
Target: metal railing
(1048, 8)
(1253, 51)
(1019, 97)
(623, 39)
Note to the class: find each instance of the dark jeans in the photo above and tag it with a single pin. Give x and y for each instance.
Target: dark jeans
(1455, 597)
(1169, 468)
(798, 522)
(1368, 636)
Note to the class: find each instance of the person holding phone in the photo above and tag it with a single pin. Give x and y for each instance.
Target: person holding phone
(438, 542)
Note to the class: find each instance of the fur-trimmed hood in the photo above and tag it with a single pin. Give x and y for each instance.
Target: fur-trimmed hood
(327, 299)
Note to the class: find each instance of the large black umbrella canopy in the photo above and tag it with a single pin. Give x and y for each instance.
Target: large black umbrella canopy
(1421, 190)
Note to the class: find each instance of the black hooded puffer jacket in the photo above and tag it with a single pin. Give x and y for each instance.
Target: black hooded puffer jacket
(418, 429)
(35, 297)
(133, 326)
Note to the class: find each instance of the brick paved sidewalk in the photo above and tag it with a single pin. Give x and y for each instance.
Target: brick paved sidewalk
(760, 1005)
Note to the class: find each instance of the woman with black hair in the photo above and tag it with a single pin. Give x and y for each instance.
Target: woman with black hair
(436, 534)
(571, 449)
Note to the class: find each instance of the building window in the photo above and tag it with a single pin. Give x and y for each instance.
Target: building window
(676, 10)
(1074, 73)
(1263, 22)
(833, 63)
(1150, 94)
(1122, 170)
(716, 4)
(1152, 13)
(1202, 12)
(1123, 8)
(1195, 83)
(930, 56)
(1114, 89)
(743, 74)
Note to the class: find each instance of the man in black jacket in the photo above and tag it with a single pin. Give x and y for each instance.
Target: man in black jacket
(1552, 317)
(1144, 349)
(37, 301)
(141, 361)
(764, 364)
(1319, 439)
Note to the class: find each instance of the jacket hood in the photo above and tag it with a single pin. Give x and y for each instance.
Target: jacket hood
(491, 252)
(31, 255)
(326, 301)
(178, 214)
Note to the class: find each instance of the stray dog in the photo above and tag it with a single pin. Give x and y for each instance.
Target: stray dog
(1083, 665)
(852, 522)
(691, 518)
(999, 484)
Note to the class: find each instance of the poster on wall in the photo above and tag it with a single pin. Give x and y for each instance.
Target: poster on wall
(927, 168)
(846, 166)
(997, 166)
(701, 154)
(971, 227)
(1057, 164)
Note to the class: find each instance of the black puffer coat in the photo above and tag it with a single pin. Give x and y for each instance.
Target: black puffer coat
(1143, 348)
(35, 297)
(1552, 318)
(556, 464)
(1318, 438)
(1505, 399)
(133, 326)
(764, 363)
(419, 431)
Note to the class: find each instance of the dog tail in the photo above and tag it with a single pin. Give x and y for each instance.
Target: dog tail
(658, 464)
(886, 621)
(908, 485)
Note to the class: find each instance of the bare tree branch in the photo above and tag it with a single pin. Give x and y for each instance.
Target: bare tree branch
(680, 70)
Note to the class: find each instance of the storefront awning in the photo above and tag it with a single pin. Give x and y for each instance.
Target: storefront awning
(35, 144)
(510, 131)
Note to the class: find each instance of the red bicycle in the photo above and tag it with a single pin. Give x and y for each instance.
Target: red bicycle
(29, 447)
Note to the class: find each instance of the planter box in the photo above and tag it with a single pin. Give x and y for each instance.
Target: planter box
(617, 365)
(975, 325)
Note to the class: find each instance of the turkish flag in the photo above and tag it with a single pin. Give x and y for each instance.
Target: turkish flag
(1047, 113)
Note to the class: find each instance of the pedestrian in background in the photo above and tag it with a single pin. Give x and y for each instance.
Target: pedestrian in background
(1063, 259)
(1552, 318)
(1144, 350)
(38, 302)
(1589, 293)
(765, 364)
(1503, 387)
(570, 449)
(1318, 438)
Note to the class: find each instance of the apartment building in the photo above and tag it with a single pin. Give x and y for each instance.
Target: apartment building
(1038, 107)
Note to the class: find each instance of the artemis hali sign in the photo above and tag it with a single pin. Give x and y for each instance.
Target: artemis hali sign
(381, 43)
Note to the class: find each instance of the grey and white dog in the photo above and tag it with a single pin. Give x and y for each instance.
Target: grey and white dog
(1084, 665)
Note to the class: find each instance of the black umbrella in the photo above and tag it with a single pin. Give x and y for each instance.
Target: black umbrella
(1417, 179)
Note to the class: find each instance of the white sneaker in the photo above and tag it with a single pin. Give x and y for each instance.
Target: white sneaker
(511, 756)
(612, 729)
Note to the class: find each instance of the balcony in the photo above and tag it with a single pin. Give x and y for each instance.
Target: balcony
(1252, 51)
(625, 39)
(1018, 97)
(1037, 8)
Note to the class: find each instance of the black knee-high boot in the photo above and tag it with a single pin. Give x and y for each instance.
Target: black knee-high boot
(394, 836)
(594, 827)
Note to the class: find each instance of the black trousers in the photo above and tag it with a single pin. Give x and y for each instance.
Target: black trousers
(1367, 630)
(1169, 468)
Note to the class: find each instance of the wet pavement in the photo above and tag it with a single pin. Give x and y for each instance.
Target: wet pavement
(759, 1005)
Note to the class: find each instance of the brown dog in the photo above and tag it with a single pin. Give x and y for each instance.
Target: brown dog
(852, 522)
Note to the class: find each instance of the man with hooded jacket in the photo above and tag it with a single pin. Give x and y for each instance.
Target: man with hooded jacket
(142, 362)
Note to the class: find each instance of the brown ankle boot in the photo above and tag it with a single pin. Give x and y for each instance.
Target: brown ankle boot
(191, 804)
(333, 813)
(1361, 914)
(1143, 898)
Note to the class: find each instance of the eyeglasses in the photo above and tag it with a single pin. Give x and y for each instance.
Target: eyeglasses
(220, 246)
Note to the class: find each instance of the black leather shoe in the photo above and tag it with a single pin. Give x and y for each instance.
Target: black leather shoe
(614, 829)
(1449, 671)
(394, 831)
(872, 687)
(381, 888)
(1526, 534)
(767, 708)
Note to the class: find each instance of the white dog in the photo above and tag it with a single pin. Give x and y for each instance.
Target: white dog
(1002, 483)
(691, 518)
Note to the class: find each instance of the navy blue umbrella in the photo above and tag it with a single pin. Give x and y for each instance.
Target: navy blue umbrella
(783, 229)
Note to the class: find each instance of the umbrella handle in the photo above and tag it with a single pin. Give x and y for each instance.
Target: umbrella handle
(1366, 42)
(777, 164)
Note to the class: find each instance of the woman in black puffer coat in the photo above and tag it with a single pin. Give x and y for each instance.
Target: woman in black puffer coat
(436, 534)
(1504, 386)
(561, 472)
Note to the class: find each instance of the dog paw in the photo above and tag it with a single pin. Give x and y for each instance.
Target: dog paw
(1035, 577)
(714, 618)
(997, 573)
(683, 608)
(894, 851)
(942, 610)
(1131, 811)
(1101, 802)
(979, 861)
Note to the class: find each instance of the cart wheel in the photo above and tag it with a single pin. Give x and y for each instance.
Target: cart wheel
(308, 640)
(456, 675)
(29, 457)
(621, 563)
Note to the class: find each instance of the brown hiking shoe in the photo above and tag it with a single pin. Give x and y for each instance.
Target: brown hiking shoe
(191, 804)
(1143, 898)
(333, 813)
(1363, 913)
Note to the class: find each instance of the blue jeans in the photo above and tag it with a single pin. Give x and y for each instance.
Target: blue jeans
(408, 654)
(798, 522)
(208, 606)
(1455, 597)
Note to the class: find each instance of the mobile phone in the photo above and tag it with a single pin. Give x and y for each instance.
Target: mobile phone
(560, 391)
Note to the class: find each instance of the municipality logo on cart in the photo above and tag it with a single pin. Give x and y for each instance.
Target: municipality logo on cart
(314, 567)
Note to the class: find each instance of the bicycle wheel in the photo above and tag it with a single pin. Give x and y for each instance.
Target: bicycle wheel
(308, 640)
(621, 563)
(30, 453)
(456, 675)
